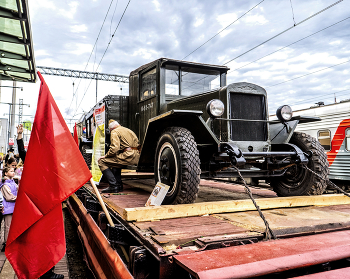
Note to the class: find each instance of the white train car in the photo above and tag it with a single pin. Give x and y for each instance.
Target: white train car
(333, 132)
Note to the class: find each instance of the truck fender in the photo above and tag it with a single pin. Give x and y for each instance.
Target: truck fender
(282, 132)
(189, 119)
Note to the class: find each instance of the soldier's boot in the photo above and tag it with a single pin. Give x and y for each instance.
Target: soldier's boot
(118, 176)
(113, 185)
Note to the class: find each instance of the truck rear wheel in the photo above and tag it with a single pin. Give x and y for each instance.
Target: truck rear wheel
(177, 164)
(87, 156)
(298, 181)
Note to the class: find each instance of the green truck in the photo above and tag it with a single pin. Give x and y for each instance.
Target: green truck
(193, 125)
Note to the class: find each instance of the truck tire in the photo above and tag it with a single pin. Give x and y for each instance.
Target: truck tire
(87, 156)
(298, 181)
(177, 164)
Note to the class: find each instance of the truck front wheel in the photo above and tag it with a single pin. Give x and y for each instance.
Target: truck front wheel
(177, 164)
(298, 181)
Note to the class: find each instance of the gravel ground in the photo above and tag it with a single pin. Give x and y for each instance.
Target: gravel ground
(75, 255)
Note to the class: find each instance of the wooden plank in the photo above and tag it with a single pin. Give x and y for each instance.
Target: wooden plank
(198, 209)
(290, 220)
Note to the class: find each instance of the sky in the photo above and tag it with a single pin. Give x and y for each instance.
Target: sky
(64, 34)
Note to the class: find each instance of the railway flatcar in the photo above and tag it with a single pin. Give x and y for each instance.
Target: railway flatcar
(333, 132)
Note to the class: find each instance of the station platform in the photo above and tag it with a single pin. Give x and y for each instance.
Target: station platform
(7, 272)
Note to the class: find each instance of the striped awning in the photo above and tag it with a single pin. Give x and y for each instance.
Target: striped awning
(16, 46)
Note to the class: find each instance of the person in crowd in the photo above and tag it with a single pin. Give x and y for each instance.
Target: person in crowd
(20, 144)
(1, 161)
(16, 156)
(8, 190)
(9, 154)
(1, 206)
(12, 163)
(22, 154)
(123, 151)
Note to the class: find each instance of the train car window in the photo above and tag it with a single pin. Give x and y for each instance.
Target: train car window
(347, 139)
(324, 137)
(148, 84)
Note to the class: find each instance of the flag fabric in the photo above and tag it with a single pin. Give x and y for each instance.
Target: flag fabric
(53, 170)
(76, 134)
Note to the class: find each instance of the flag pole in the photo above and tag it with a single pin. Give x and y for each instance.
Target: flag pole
(102, 203)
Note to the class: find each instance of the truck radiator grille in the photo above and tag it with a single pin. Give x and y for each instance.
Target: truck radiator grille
(249, 107)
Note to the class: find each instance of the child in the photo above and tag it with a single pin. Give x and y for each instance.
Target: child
(11, 163)
(9, 191)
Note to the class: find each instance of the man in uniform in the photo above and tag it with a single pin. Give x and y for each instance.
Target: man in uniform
(123, 151)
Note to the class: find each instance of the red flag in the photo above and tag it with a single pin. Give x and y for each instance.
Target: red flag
(54, 169)
(76, 134)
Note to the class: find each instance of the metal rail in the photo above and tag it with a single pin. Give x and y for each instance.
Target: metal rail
(82, 74)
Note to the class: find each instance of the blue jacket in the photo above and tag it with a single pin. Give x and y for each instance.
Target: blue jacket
(9, 205)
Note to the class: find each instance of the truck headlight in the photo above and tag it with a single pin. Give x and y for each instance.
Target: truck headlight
(284, 113)
(215, 108)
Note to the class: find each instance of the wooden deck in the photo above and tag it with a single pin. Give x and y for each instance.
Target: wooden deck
(173, 232)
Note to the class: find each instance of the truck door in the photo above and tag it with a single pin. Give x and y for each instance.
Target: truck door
(148, 100)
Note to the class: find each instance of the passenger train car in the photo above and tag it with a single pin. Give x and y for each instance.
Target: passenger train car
(333, 132)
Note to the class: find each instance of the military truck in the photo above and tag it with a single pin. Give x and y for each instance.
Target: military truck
(193, 125)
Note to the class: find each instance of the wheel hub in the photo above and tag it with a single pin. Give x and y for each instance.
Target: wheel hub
(167, 167)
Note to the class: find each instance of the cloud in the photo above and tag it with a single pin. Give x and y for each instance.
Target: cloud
(64, 33)
(78, 28)
(78, 48)
(70, 12)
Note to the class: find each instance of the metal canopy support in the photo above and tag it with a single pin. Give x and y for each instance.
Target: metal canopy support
(13, 111)
(96, 90)
(20, 111)
(82, 74)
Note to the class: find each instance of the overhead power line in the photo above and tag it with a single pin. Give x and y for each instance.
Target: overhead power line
(110, 26)
(223, 29)
(292, 11)
(308, 74)
(306, 19)
(288, 45)
(318, 97)
(280, 34)
(87, 63)
(112, 36)
(104, 54)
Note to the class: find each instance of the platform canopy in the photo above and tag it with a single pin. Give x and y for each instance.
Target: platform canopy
(16, 45)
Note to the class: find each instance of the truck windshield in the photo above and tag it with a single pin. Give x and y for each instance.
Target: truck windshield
(187, 81)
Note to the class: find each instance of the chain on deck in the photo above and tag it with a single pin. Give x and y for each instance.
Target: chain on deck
(269, 234)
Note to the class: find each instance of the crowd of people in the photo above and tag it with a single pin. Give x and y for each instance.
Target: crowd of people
(11, 173)
(11, 165)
